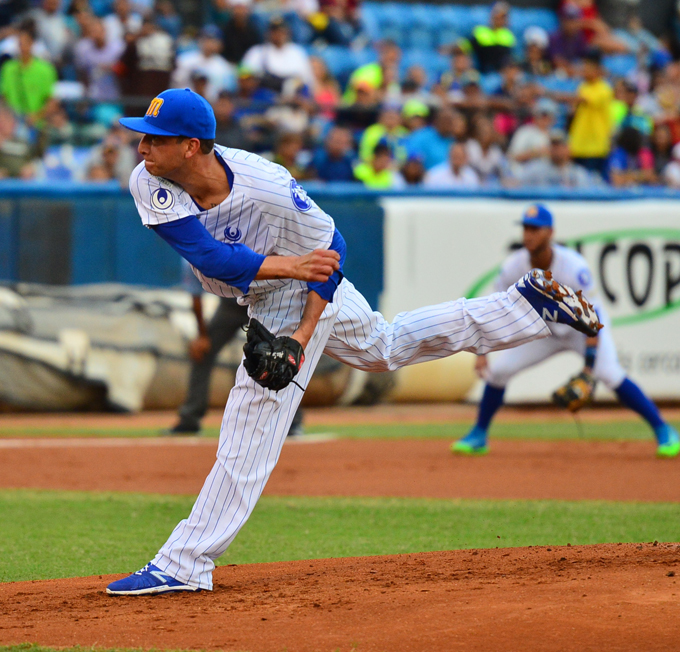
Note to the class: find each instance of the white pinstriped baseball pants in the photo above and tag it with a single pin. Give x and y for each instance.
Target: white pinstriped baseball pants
(256, 420)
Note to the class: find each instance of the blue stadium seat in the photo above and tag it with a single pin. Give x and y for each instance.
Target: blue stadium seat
(362, 57)
(421, 38)
(491, 82)
(393, 14)
(477, 15)
(336, 58)
(370, 20)
(521, 18)
(433, 62)
(300, 30)
(396, 34)
(425, 16)
(452, 16)
(447, 36)
(560, 84)
(619, 65)
(261, 22)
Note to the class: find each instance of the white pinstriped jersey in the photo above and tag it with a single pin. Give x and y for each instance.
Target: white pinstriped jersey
(569, 268)
(266, 210)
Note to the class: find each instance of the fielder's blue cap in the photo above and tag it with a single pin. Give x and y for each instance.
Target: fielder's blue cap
(176, 112)
(537, 215)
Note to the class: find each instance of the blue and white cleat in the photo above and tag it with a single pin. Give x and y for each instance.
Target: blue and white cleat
(558, 303)
(474, 443)
(668, 441)
(151, 580)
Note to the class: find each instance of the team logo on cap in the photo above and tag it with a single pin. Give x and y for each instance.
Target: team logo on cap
(532, 211)
(162, 199)
(154, 107)
(299, 196)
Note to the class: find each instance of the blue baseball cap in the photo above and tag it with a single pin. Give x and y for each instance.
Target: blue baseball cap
(537, 215)
(176, 112)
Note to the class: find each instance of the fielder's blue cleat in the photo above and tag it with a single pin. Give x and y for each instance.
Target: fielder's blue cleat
(474, 443)
(148, 581)
(668, 441)
(558, 303)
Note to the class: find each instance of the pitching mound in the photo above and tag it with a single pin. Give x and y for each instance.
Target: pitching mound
(607, 597)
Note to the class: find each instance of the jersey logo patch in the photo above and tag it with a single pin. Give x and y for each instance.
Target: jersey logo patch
(299, 196)
(232, 234)
(162, 199)
(584, 278)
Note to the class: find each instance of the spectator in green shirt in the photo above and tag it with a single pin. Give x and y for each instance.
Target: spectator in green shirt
(27, 83)
(379, 172)
(388, 130)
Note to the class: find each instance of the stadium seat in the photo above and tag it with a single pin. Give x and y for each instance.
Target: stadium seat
(619, 65)
(261, 21)
(433, 62)
(447, 36)
(421, 38)
(424, 16)
(336, 58)
(454, 16)
(491, 82)
(370, 20)
(559, 84)
(477, 15)
(301, 31)
(396, 34)
(521, 18)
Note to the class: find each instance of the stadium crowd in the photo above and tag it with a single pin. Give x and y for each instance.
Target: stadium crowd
(579, 105)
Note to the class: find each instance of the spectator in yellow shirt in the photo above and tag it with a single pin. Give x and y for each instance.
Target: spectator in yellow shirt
(591, 128)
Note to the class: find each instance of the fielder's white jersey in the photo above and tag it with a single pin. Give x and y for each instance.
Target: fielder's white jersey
(568, 267)
(266, 210)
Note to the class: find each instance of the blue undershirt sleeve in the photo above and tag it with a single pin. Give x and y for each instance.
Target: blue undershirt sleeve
(327, 290)
(234, 264)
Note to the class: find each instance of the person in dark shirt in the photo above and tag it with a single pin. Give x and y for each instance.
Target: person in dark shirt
(363, 111)
(145, 66)
(493, 43)
(333, 162)
(568, 44)
(251, 98)
(240, 32)
(229, 131)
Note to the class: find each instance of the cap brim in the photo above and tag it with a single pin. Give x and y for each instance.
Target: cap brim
(143, 127)
(530, 222)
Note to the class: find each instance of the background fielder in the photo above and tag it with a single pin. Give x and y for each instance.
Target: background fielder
(600, 358)
(251, 232)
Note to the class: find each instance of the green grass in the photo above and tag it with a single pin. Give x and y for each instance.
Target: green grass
(548, 430)
(68, 534)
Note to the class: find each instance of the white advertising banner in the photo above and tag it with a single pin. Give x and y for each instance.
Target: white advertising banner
(437, 249)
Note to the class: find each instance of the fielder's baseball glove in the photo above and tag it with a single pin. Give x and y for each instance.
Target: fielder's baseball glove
(271, 361)
(576, 392)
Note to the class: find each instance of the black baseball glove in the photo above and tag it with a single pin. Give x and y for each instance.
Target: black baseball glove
(271, 361)
(576, 392)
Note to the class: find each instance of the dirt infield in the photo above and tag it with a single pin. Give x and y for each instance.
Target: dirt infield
(561, 599)
(571, 470)
(377, 414)
(607, 597)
